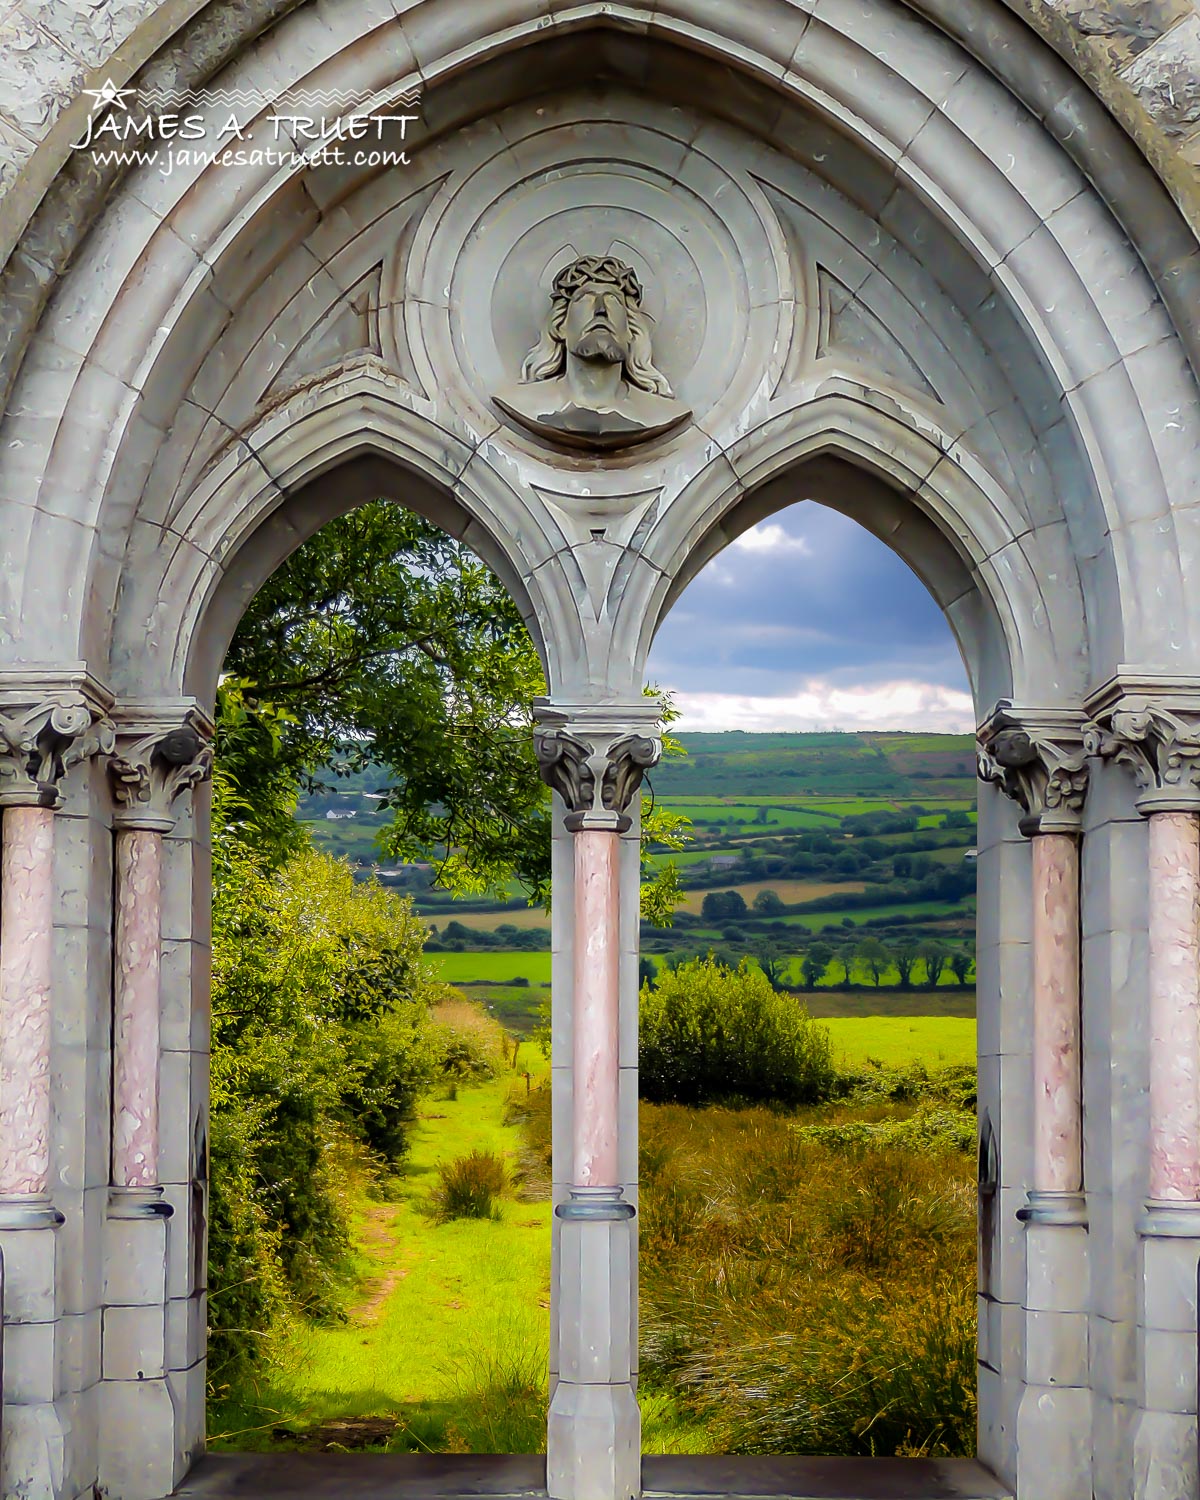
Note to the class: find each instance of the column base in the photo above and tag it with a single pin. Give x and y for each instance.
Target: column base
(33, 1460)
(137, 1439)
(1164, 1434)
(29, 1213)
(595, 1205)
(594, 1443)
(1044, 1207)
(1054, 1417)
(594, 1435)
(1170, 1218)
(138, 1203)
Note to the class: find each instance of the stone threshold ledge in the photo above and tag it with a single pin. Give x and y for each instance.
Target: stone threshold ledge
(320, 1476)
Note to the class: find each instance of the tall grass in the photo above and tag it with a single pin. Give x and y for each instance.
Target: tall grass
(802, 1294)
(471, 1186)
(807, 1280)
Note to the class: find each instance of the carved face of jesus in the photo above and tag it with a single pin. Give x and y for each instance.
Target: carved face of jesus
(597, 324)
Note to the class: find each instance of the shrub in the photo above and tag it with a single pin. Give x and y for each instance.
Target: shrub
(930, 1129)
(469, 1044)
(470, 1185)
(710, 1032)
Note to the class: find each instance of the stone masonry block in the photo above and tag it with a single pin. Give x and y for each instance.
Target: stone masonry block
(30, 1262)
(1056, 1260)
(1169, 1271)
(79, 1350)
(135, 1262)
(595, 1288)
(593, 1449)
(137, 1455)
(134, 1343)
(1164, 1456)
(30, 1363)
(1168, 1370)
(33, 1454)
(188, 1390)
(1113, 1358)
(1056, 1349)
(187, 1331)
(1054, 1433)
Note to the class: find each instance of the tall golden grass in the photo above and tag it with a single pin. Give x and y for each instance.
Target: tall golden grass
(809, 1293)
(807, 1279)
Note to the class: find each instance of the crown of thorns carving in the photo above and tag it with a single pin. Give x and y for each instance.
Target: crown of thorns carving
(606, 269)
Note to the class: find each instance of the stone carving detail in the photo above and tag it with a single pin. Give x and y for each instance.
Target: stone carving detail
(351, 326)
(598, 781)
(1039, 760)
(590, 382)
(1159, 745)
(153, 769)
(40, 744)
(851, 329)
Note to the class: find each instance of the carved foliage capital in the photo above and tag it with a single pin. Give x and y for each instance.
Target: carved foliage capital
(1041, 764)
(1160, 745)
(597, 778)
(151, 769)
(39, 744)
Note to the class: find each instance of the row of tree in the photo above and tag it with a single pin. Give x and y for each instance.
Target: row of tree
(904, 963)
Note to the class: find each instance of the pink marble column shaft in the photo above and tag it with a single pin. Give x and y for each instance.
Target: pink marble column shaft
(596, 1010)
(26, 956)
(1058, 1101)
(1174, 1006)
(136, 977)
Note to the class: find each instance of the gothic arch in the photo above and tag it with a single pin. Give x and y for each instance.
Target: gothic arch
(895, 257)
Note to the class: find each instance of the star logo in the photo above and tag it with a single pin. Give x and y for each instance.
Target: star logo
(108, 94)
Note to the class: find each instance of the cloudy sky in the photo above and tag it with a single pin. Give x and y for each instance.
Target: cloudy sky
(809, 622)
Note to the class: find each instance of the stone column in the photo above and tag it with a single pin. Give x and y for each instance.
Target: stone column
(594, 758)
(38, 744)
(155, 763)
(1037, 757)
(36, 748)
(1159, 740)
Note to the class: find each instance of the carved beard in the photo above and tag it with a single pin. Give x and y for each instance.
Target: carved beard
(602, 344)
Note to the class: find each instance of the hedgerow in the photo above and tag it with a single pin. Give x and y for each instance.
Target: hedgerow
(321, 1044)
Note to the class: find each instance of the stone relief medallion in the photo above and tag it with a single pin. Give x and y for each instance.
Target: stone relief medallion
(599, 300)
(590, 380)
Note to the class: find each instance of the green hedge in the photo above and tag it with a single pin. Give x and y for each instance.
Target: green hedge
(710, 1032)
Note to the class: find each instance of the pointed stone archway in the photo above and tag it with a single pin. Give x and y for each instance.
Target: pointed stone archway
(876, 265)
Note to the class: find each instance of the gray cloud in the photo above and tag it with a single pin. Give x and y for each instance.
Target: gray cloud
(809, 621)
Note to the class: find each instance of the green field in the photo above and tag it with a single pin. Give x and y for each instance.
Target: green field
(491, 967)
(449, 1339)
(827, 1003)
(859, 915)
(894, 1040)
(806, 786)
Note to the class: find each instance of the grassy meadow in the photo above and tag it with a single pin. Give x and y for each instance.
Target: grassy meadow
(806, 1281)
(895, 1041)
(445, 1348)
(807, 1276)
(804, 1295)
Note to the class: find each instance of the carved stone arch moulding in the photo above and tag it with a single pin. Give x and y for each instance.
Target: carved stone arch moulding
(697, 244)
